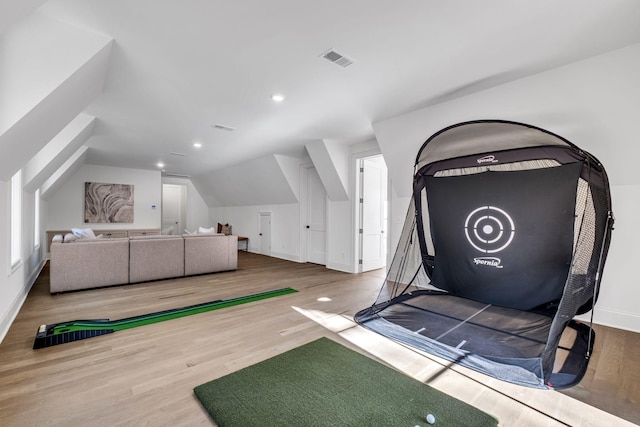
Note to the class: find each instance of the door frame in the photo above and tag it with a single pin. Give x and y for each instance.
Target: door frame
(262, 214)
(355, 162)
(384, 199)
(182, 206)
(304, 202)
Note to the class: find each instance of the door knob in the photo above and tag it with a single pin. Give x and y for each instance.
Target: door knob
(307, 226)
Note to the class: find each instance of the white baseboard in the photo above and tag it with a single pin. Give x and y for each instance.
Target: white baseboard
(347, 268)
(34, 275)
(613, 318)
(283, 255)
(296, 258)
(16, 305)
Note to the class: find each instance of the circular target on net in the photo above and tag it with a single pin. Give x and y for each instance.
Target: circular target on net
(489, 229)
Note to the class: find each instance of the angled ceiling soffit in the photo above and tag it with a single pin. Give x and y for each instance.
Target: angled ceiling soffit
(328, 169)
(63, 173)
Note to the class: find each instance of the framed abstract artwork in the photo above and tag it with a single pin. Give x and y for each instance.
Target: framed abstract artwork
(108, 203)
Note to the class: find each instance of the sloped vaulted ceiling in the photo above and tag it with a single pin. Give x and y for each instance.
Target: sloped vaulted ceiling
(50, 73)
(13, 11)
(257, 182)
(178, 68)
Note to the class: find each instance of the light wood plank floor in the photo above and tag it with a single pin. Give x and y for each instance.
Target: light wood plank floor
(146, 375)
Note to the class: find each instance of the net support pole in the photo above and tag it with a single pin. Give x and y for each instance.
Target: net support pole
(607, 228)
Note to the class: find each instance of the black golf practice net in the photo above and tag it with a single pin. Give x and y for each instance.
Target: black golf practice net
(504, 243)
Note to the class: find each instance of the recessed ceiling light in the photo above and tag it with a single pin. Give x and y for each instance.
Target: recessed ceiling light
(160, 165)
(277, 97)
(197, 144)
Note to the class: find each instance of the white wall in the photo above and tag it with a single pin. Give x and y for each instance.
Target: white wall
(618, 302)
(398, 207)
(593, 103)
(285, 226)
(286, 229)
(66, 206)
(15, 285)
(340, 241)
(197, 209)
(342, 234)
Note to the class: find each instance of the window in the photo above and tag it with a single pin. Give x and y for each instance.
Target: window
(16, 218)
(36, 221)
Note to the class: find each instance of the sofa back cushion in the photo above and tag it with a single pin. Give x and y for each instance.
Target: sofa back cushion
(155, 258)
(210, 253)
(89, 263)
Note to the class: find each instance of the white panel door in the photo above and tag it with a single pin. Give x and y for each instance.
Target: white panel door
(374, 243)
(172, 222)
(265, 233)
(316, 219)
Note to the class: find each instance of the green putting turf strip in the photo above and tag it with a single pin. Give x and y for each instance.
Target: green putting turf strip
(81, 329)
(147, 319)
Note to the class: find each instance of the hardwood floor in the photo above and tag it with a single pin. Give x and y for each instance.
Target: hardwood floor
(146, 375)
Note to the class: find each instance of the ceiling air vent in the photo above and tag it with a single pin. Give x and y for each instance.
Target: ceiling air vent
(223, 127)
(337, 58)
(175, 153)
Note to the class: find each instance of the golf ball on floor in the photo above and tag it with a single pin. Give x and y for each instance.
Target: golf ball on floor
(431, 419)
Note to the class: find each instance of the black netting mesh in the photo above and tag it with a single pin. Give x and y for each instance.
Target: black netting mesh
(453, 290)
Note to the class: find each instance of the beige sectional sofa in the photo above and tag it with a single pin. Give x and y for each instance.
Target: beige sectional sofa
(88, 264)
(84, 264)
(202, 254)
(155, 258)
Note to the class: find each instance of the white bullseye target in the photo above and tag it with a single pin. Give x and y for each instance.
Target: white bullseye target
(489, 229)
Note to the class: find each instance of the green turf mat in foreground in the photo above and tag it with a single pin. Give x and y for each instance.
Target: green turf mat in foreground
(326, 384)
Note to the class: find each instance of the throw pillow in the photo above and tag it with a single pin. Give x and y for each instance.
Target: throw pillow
(225, 229)
(202, 230)
(83, 233)
(69, 237)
